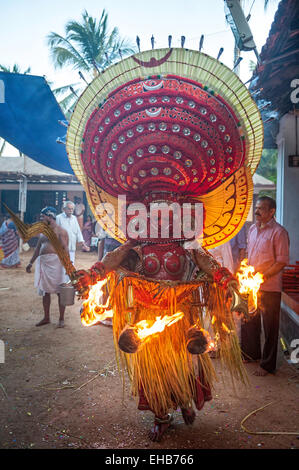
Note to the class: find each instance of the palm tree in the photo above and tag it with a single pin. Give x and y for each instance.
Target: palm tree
(14, 69)
(88, 46)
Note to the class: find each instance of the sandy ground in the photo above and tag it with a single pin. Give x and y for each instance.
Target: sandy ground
(61, 388)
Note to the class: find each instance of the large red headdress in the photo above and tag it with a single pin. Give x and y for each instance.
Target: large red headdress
(173, 122)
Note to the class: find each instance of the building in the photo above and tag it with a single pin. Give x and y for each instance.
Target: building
(44, 186)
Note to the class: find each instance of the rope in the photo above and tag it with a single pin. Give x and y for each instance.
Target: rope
(277, 433)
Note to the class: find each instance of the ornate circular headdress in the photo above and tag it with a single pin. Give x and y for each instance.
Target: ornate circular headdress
(170, 122)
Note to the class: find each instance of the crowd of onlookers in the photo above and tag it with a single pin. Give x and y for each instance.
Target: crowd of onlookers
(91, 236)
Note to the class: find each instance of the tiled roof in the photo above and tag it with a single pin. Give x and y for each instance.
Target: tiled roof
(280, 57)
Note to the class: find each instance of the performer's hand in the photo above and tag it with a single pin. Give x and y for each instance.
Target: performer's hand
(82, 282)
(232, 286)
(239, 303)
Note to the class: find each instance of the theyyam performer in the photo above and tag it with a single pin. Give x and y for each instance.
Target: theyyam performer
(165, 144)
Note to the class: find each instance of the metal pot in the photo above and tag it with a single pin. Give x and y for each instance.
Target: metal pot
(67, 294)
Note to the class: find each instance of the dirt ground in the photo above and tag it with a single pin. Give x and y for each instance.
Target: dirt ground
(60, 388)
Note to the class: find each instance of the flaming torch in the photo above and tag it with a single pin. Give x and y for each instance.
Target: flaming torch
(94, 309)
(133, 337)
(249, 282)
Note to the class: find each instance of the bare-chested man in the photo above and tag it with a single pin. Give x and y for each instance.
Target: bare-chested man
(49, 272)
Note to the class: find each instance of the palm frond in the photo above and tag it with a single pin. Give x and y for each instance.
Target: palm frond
(14, 69)
(88, 42)
(67, 102)
(63, 52)
(64, 89)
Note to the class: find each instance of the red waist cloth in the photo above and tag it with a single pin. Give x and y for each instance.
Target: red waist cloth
(202, 394)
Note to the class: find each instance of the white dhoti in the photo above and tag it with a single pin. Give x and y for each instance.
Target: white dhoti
(49, 274)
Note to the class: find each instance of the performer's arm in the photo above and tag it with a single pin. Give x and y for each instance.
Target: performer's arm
(99, 270)
(207, 263)
(222, 276)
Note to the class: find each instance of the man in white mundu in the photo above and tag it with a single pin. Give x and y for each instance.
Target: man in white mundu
(49, 272)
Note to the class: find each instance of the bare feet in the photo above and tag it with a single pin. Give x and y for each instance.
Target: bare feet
(160, 426)
(44, 321)
(188, 415)
(260, 372)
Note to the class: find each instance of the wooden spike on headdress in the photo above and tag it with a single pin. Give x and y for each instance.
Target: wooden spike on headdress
(153, 41)
(201, 42)
(82, 77)
(73, 91)
(95, 66)
(237, 62)
(220, 53)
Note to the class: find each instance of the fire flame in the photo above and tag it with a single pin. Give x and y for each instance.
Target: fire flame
(93, 308)
(211, 346)
(143, 330)
(249, 281)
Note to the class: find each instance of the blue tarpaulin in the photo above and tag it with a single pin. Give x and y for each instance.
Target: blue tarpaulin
(29, 119)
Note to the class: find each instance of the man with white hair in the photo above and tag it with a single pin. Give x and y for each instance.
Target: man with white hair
(69, 222)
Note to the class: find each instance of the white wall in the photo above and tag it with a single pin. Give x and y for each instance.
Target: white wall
(288, 182)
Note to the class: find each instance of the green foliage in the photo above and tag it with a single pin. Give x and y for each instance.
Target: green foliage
(14, 69)
(88, 45)
(268, 164)
(252, 66)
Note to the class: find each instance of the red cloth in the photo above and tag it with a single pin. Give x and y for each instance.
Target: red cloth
(202, 394)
